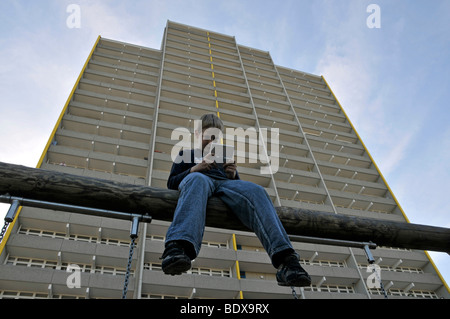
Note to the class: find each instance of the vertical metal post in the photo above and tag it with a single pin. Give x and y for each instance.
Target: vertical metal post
(369, 255)
(9, 217)
(12, 211)
(134, 227)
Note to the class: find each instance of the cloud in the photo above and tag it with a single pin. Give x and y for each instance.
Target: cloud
(36, 77)
(396, 153)
(109, 21)
(424, 192)
(442, 260)
(362, 67)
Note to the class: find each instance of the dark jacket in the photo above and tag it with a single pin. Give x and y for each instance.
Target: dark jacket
(181, 170)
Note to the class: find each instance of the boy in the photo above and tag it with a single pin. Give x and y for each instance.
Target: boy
(249, 202)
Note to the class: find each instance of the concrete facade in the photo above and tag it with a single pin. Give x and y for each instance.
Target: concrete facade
(117, 125)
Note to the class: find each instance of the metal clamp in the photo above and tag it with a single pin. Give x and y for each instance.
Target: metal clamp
(369, 255)
(15, 203)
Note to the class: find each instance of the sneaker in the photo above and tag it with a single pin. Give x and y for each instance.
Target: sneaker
(175, 260)
(291, 274)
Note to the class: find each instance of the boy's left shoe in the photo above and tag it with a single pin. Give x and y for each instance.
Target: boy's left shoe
(291, 274)
(175, 260)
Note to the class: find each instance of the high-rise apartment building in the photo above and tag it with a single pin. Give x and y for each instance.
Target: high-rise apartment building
(117, 125)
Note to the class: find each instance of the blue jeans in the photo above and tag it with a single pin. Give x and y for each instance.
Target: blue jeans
(248, 201)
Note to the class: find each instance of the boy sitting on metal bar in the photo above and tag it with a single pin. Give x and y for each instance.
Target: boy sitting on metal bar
(198, 180)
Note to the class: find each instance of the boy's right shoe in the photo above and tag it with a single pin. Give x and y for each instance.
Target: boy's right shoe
(175, 259)
(291, 274)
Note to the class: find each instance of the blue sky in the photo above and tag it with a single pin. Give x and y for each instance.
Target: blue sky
(392, 81)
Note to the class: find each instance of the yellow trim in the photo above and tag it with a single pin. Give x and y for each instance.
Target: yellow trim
(238, 271)
(47, 146)
(41, 159)
(384, 180)
(8, 231)
(437, 271)
(234, 242)
(213, 75)
(368, 153)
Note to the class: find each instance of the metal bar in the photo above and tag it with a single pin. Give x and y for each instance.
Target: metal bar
(332, 242)
(74, 209)
(135, 218)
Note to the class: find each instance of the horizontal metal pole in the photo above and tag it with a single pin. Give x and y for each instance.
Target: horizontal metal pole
(332, 242)
(147, 219)
(74, 209)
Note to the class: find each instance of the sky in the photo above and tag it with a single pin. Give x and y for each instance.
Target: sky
(389, 67)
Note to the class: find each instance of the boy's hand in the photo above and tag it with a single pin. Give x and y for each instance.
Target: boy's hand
(201, 167)
(230, 170)
(205, 165)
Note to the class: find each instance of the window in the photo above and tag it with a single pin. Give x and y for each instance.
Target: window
(210, 272)
(83, 267)
(22, 295)
(215, 244)
(327, 263)
(194, 271)
(412, 293)
(31, 262)
(331, 288)
(153, 266)
(105, 270)
(154, 296)
(84, 238)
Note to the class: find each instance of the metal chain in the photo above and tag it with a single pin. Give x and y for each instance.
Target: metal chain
(381, 284)
(383, 290)
(294, 293)
(127, 275)
(2, 233)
